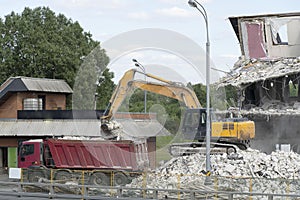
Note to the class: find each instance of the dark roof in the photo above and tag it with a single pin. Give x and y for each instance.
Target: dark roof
(29, 84)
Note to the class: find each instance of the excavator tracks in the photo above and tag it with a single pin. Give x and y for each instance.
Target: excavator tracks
(183, 149)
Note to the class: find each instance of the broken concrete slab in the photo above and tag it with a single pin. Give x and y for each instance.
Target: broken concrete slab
(262, 172)
(254, 70)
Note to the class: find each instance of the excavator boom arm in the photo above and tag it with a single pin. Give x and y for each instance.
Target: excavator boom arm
(168, 88)
(119, 94)
(181, 93)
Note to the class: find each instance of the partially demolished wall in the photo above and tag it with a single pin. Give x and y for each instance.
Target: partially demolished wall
(268, 82)
(274, 131)
(269, 95)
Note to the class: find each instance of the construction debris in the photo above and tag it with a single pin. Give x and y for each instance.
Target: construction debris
(270, 112)
(266, 78)
(266, 85)
(255, 164)
(254, 70)
(229, 172)
(260, 111)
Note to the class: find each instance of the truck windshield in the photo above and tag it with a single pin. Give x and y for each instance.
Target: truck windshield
(27, 149)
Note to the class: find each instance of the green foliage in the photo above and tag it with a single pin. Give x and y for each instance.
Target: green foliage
(90, 75)
(38, 43)
(220, 98)
(231, 96)
(200, 91)
(162, 143)
(105, 89)
(168, 110)
(293, 89)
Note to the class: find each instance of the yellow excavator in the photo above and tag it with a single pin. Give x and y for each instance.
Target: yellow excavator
(226, 135)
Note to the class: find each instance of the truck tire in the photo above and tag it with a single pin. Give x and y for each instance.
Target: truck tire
(99, 178)
(34, 176)
(120, 179)
(63, 175)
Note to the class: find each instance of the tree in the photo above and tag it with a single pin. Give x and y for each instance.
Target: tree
(92, 77)
(231, 96)
(169, 113)
(105, 89)
(200, 91)
(39, 43)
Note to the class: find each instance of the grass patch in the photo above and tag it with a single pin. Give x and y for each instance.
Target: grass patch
(162, 150)
(162, 146)
(162, 141)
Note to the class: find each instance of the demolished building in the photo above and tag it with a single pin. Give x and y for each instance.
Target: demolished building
(267, 77)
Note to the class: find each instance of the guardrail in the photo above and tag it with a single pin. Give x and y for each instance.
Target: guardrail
(49, 190)
(175, 186)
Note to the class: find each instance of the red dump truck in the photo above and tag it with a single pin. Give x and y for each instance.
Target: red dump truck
(100, 161)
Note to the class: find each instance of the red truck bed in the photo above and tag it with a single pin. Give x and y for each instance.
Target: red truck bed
(91, 154)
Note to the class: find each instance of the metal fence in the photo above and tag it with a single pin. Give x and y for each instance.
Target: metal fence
(121, 192)
(154, 185)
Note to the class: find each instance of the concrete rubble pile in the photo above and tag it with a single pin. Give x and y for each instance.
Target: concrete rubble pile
(271, 112)
(252, 163)
(248, 71)
(268, 173)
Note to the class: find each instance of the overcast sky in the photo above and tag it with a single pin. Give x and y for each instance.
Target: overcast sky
(106, 19)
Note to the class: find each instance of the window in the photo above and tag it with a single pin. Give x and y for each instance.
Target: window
(192, 119)
(203, 118)
(27, 149)
(227, 126)
(282, 35)
(279, 30)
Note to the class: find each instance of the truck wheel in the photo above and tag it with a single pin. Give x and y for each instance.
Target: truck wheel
(120, 179)
(99, 178)
(63, 175)
(34, 176)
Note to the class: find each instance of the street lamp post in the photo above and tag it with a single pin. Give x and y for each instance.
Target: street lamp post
(139, 65)
(194, 3)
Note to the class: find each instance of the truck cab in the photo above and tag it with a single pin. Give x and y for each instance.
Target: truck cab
(30, 154)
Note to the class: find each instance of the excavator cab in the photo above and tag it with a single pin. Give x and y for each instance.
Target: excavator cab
(194, 124)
